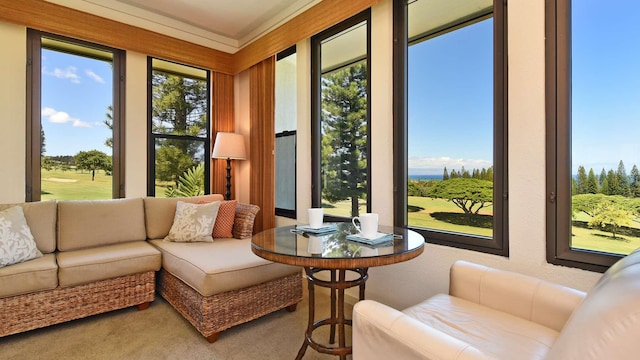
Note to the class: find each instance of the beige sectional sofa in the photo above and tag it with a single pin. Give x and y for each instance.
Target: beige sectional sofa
(104, 255)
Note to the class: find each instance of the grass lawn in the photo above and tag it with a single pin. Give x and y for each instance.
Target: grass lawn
(75, 185)
(443, 215)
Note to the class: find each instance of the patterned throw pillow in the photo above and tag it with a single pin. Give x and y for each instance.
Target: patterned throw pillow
(224, 222)
(193, 222)
(16, 241)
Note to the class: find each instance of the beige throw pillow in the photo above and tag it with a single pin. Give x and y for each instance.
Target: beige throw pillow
(16, 241)
(193, 222)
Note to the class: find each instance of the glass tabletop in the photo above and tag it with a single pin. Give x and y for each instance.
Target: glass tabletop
(290, 242)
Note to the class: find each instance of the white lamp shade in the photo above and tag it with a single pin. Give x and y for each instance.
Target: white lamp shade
(229, 146)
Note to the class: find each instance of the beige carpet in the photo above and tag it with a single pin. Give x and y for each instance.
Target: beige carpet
(161, 333)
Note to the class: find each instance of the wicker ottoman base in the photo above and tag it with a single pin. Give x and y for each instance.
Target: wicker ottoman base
(212, 314)
(31, 311)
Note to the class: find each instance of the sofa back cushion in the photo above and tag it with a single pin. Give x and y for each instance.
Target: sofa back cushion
(89, 223)
(606, 325)
(41, 218)
(159, 212)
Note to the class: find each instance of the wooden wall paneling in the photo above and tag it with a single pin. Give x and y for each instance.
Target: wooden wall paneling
(317, 18)
(222, 120)
(261, 154)
(53, 18)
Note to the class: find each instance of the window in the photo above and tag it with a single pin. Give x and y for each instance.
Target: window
(179, 130)
(285, 128)
(340, 118)
(450, 119)
(593, 182)
(75, 119)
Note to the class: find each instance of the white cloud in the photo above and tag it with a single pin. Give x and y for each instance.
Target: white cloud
(79, 123)
(61, 117)
(69, 73)
(94, 76)
(435, 165)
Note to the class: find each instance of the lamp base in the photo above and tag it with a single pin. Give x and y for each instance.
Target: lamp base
(227, 194)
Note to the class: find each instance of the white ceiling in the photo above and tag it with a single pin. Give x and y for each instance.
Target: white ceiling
(226, 25)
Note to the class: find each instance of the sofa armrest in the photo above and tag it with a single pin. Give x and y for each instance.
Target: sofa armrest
(381, 332)
(530, 298)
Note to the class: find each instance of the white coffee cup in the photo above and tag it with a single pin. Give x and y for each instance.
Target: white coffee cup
(368, 225)
(316, 218)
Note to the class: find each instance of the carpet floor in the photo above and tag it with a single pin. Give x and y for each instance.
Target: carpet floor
(161, 333)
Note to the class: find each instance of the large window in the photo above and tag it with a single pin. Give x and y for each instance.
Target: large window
(451, 130)
(75, 147)
(593, 104)
(285, 128)
(179, 150)
(340, 118)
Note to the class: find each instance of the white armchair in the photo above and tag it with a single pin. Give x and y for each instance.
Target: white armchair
(495, 314)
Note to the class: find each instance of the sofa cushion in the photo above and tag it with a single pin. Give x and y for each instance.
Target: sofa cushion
(225, 264)
(159, 212)
(492, 332)
(193, 222)
(106, 262)
(16, 242)
(30, 276)
(224, 222)
(41, 217)
(89, 223)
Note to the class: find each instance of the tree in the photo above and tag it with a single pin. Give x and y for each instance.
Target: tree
(592, 183)
(613, 183)
(445, 174)
(588, 203)
(468, 194)
(108, 122)
(623, 180)
(179, 108)
(609, 214)
(43, 147)
(344, 130)
(581, 181)
(635, 182)
(93, 160)
(602, 177)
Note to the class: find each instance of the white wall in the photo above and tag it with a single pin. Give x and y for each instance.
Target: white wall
(136, 126)
(13, 62)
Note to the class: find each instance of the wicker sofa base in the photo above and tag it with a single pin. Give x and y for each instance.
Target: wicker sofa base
(31, 311)
(212, 314)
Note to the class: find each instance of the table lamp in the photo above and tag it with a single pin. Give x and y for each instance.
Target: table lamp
(229, 146)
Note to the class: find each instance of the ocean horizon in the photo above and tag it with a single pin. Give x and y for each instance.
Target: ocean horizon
(425, 177)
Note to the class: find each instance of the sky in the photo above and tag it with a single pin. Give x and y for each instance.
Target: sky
(450, 93)
(76, 92)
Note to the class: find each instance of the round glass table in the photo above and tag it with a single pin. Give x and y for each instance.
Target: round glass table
(335, 253)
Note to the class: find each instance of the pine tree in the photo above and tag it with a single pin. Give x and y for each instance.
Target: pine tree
(592, 183)
(612, 181)
(635, 182)
(344, 129)
(581, 181)
(623, 180)
(445, 174)
(603, 176)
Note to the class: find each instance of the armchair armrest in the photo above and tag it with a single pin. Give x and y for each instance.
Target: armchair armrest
(530, 298)
(381, 332)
